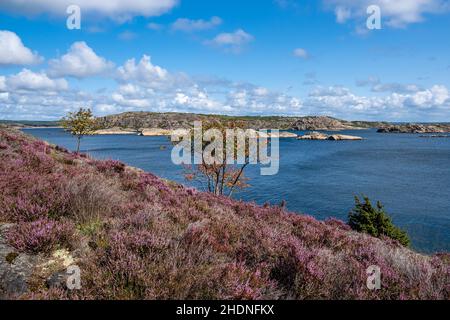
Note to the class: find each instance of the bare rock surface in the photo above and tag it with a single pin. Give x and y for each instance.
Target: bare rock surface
(415, 128)
(15, 268)
(323, 136)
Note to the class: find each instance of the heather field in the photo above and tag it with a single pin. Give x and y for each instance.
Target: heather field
(136, 236)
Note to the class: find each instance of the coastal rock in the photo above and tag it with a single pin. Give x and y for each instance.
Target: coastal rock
(271, 134)
(314, 136)
(415, 128)
(337, 137)
(283, 134)
(323, 136)
(115, 130)
(155, 132)
(15, 268)
(137, 121)
(322, 123)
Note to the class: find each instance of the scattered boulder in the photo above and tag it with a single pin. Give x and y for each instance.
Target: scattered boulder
(322, 136)
(15, 268)
(337, 137)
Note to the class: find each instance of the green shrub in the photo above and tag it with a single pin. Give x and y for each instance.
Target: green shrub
(375, 221)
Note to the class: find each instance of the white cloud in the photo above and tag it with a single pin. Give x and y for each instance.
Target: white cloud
(13, 52)
(301, 53)
(119, 10)
(424, 104)
(376, 85)
(234, 41)
(258, 100)
(396, 13)
(29, 80)
(142, 85)
(2, 83)
(437, 95)
(188, 25)
(143, 72)
(79, 62)
(342, 14)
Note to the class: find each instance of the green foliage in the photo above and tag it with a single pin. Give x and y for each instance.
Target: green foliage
(374, 221)
(80, 123)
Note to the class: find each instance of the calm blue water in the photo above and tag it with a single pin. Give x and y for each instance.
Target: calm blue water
(408, 174)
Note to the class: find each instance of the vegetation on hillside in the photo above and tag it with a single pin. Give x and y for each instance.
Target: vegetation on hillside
(136, 236)
(79, 124)
(374, 221)
(139, 120)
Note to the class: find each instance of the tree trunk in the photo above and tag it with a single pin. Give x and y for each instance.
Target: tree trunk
(78, 144)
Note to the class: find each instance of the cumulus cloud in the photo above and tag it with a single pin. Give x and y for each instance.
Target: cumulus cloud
(377, 86)
(13, 51)
(301, 53)
(29, 80)
(2, 83)
(432, 104)
(115, 9)
(188, 25)
(143, 85)
(233, 41)
(342, 14)
(144, 72)
(79, 62)
(398, 13)
(259, 100)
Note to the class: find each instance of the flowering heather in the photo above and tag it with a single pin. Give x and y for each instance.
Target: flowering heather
(140, 237)
(111, 166)
(41, 235)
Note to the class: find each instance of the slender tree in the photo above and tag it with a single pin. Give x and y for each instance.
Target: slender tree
(79, 124)
(220, 178)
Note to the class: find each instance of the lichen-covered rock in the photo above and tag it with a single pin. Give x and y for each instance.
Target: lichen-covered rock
(15, 268)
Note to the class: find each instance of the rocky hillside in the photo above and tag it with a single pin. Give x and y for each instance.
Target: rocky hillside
(415, 128)
(140, 120)
(135, 236)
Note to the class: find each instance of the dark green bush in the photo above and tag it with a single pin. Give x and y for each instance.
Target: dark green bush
(375, 221)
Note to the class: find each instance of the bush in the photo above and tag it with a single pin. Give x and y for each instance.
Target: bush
(374, 221)
(42, 235)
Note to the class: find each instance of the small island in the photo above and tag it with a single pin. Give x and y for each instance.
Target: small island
(415, 128)
(322, 136)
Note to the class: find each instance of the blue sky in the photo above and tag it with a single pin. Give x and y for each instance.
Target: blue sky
(262, 57)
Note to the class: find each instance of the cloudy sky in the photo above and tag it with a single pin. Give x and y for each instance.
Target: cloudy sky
(266, 57)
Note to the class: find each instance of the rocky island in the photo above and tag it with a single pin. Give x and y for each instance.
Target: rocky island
(139, 121)
(415, 128)
(323, 136)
